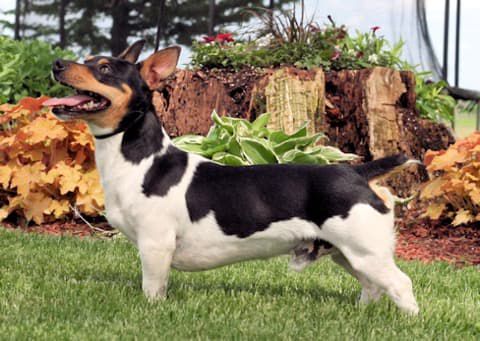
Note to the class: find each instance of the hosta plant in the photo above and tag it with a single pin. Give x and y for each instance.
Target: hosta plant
(453, 192)
(237, 142)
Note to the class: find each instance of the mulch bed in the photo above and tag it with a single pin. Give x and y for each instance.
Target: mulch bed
(426, 240)
(418, 239)
(68, 228)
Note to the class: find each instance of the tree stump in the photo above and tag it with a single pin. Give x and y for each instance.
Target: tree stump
(369, 112)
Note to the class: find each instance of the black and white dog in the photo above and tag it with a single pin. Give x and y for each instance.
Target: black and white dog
(189, 213)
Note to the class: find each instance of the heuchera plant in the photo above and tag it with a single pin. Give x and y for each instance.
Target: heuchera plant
(453, 192)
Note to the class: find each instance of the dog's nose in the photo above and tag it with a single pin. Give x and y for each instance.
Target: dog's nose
(59, 65)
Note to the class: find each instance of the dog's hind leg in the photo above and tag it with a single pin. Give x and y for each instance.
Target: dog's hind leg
(384, 273)
(156, 257)
(366, 239)
(370, 292)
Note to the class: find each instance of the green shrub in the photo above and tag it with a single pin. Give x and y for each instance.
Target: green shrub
(330, 47)
(25, 69)
(237, 142)
(432, 101)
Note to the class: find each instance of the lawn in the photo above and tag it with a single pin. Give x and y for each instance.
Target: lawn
(465, 124)
(69, 288)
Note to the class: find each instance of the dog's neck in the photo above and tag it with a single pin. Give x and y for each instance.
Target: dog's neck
(141, 135)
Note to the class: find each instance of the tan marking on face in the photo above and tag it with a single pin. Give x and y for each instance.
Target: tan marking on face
(383, 193)
(103, 61)
(88, 58)
(80, 77)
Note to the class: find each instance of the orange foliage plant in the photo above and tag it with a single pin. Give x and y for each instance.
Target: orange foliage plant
(47, 168)
(454, 189)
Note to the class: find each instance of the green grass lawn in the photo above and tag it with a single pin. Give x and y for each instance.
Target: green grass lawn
(68, 288)
(465, 124)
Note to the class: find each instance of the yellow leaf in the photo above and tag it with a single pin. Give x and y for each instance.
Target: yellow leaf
(447, 160)
(7, 141)
(26, 177)
(34, 154)
(435, 210)
(433, 189)
(462, 217)
(67, 177)
(90, 203)
(5, 176)
(475, 196)
(43, 130)
(59, 208)
(83, 138)
(58, 152)
(90, 198)
(4, 212)
(90, 181)
(35, 205)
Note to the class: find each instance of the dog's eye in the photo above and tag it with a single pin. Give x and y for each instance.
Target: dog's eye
(104, 68)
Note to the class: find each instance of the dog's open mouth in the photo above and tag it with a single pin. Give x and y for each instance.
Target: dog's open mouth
(82, 102)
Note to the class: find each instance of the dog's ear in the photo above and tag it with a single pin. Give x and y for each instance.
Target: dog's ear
(159, 66)
(132, 52)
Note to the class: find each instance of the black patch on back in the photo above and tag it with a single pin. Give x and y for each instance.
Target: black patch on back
(143, 137)
(166, 171)
(248, 199)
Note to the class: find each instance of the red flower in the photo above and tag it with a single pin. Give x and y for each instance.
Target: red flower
(207, 39)
(375, 28)
(224, 38)
(220, 38)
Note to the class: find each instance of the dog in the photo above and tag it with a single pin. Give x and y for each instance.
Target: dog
(189, 213)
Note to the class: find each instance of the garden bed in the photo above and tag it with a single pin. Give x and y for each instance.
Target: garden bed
(418, 239)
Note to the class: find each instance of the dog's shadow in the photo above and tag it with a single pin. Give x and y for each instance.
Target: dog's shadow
(178, 289)
(181, 287)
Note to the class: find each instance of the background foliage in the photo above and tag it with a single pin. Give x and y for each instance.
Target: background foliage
(25, 69)
(47, 170)
(81, 23)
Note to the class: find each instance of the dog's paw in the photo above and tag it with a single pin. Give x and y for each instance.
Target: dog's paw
(155, 294)
(370, 295)
(411, 309)
(299, 262)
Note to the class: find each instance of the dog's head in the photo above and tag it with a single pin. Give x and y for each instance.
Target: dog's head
(107, 88)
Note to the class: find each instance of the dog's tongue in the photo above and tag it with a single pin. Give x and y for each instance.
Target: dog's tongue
(69, 101)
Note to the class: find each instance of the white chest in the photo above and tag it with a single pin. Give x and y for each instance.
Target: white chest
(122, 185)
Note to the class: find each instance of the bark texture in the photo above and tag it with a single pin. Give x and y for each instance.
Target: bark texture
(293, 97)
(368, 112)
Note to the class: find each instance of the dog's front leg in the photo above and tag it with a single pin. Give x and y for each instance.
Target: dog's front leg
(156, 256)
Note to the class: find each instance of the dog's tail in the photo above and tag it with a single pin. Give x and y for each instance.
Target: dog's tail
(376, 168)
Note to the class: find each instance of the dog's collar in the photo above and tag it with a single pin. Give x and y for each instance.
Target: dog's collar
(122, 127)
